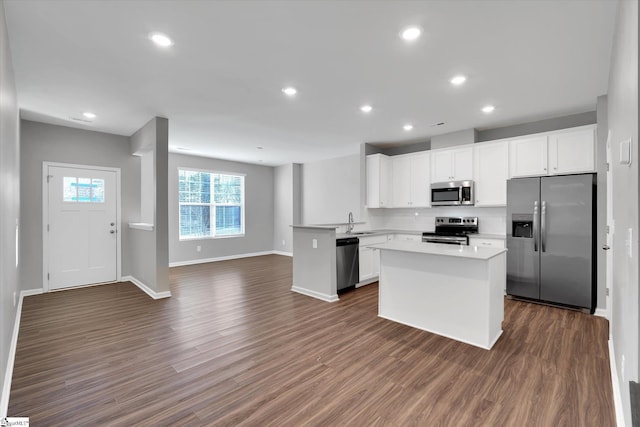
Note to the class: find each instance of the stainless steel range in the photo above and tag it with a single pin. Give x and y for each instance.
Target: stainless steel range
(452, 230)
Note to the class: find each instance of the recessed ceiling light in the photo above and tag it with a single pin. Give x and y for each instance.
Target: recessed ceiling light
(488, 109)
(407, 127)
(89, 115)
(290, 91)
(411, 33)
(458, 80)
(161, 39)
(366, 108)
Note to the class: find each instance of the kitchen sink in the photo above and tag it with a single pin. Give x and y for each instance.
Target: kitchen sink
(360, 233)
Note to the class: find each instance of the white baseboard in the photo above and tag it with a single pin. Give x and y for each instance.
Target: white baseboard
(8, 375)
(153, 294)
(314, 294)
(615, 384)
(283, 253)
(601, 312)
(222, 258)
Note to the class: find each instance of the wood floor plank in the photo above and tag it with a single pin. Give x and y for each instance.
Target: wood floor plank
(234, 346)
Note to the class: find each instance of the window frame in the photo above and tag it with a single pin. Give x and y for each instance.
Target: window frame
(212, 205)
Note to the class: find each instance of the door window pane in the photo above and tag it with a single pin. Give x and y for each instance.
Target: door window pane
(84, 190)
(69, 189)
(97, 190)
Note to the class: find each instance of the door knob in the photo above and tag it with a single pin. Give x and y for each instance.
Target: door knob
(112, 231)
(606, 248)
(113, 223)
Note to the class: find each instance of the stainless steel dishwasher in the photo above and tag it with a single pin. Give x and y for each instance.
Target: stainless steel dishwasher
(347, 262)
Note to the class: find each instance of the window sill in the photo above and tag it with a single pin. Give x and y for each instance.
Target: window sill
(141, 226)
(190, 239)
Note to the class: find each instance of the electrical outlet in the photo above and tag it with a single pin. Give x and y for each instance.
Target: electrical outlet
(314, 243)
(198, 248)
(629, 242)
(283, 242)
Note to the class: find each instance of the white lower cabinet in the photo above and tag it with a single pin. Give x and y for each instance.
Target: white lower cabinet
(408, 237)
(369, 259)
(487, 243)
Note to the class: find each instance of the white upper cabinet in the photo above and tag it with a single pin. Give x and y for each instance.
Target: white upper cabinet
(553, 153)
(490, 173)
(401, 189)
(528, 156)
(411, 180)
(572, 152)
(378, 173)
(452, 164)
(420, 180)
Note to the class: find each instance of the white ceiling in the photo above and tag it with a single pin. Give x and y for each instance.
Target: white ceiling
(220, 84)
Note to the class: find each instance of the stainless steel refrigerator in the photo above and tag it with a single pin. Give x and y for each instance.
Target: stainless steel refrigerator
(551, 239)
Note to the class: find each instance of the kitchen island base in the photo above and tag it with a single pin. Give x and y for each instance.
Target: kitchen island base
(456, 296)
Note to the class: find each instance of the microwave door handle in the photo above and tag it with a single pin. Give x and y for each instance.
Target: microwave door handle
(535, 226)
(543, 224)
(460, 201)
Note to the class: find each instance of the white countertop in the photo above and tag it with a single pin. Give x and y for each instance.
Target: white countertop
(460, 251)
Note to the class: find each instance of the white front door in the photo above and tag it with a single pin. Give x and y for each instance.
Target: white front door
(82, 226)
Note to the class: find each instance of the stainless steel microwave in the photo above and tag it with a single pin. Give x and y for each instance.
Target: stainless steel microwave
(454, 193)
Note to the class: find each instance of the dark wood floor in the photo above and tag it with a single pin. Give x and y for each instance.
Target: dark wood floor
(234, 346)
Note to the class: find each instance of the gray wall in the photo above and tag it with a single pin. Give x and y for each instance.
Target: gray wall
(150, 249)
(462, 137)
(286, 209)
(43, 142)
(259, 208)
(10, 202)
(623, 124)
(547, 125)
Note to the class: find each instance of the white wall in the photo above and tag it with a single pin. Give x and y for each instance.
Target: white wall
(259, 211)
(283, 208)
(623, 124)
(330, 190)
(10, 202)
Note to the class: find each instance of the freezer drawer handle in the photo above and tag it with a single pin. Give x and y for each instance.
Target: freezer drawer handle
(543, 223)
(535, 226)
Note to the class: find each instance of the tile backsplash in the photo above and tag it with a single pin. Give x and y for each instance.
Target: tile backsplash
(490, 220)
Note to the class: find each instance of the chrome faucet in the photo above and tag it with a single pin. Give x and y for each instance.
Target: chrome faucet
(350, 225)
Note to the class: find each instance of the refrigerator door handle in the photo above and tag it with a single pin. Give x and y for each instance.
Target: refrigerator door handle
(535, 226)
(543, 224)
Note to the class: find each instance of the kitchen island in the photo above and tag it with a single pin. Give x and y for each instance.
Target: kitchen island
(450, 290)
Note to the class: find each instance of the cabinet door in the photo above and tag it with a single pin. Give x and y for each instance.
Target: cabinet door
(486, 243)
(420, 180)
(376, 263)
(491, 169)
(401, 187)
(441, 166)
(378, 176)
(462, 164)
(528, 156)
(366, 263)
(571, 152)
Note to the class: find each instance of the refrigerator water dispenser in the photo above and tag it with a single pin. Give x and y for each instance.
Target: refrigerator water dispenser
(522, 225)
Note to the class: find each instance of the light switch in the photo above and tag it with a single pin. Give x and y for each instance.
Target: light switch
(314, 243)
(630, 242)
(625, 152)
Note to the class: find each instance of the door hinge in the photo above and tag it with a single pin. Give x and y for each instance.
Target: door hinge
(607, 229)
(47, 227)
(607, 291)
(607, 164)
(49, 178)
(48, 276)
